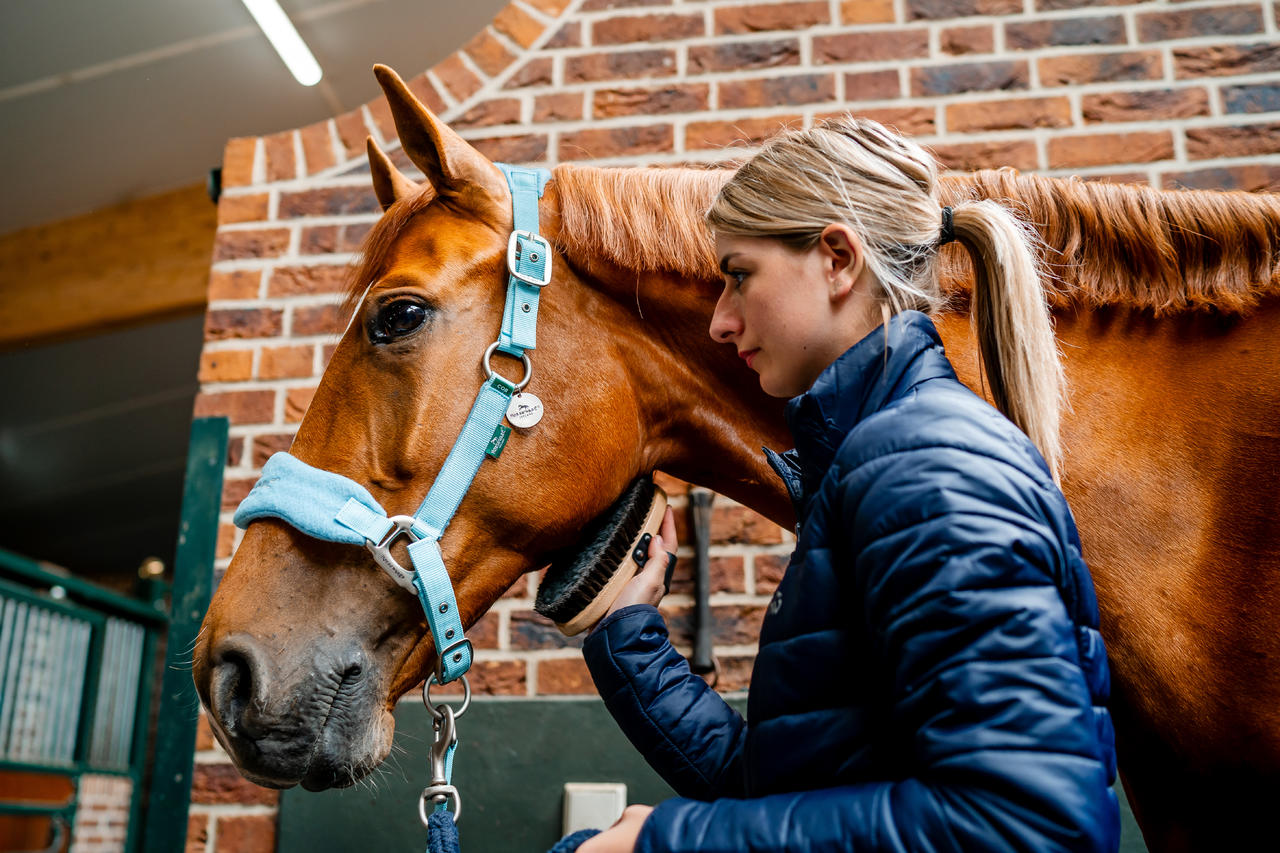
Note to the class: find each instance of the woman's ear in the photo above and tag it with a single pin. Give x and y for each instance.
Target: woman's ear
(843, 258)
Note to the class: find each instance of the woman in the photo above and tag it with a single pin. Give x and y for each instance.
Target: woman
(930, 675)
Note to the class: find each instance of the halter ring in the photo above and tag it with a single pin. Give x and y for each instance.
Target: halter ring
(431, 706)
(490, 374)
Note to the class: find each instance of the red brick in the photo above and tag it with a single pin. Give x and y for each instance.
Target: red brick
(1055, 5)
(237, 161)
(727, 575)
(535, 72)
(1251, 140)
(241, 284)
(225, 545)
(743, 55)
(234, 365)
(616, 142)
(771, 16)
(959, 41)
(235, 452)
(1251, 98)
(1256, 177)
(296, 401)
(317, 147)
(738, 524)
(872, 85)
(328, 201)
(518, 25)
(619, 65)
(1190, 23)
(286, 362)
(603, 5)
(242, 208)
(489, 113)
(675, 98)
(967, 156)
(318, 320)
(913, 121)
(296, 281)
(281, 163)
(561, 106)
(1009, 114)
(241, 407)
(197, 833)
(735, 672)
(1147, 105)
(426, 92)
(936, 9)
(1101, 67)
(769, 571)
(255, 243)
(737, 624)
(867, 12)
(352, 132)
(526, 148)
(777, 91)
(265, 445)
(1104, 149)
(498, 678)
(642, 28)
(567, 676)
(328, 239)
(968, 77)
(457, 78)
(1063, 32)
(225, 323)
(551, 8)
(878, 46)
(484, 633)
(489, 54)
(743, 131)
(380, 113)
(1114, 177)
(1226, 60)
(569, 35)
(530, 630)
(246, 833)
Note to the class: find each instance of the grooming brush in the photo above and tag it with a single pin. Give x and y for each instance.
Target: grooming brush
(582, 582)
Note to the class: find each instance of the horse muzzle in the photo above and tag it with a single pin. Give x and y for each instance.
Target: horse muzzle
(322, 728)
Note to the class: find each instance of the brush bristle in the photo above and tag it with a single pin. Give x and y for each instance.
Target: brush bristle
(577, 575)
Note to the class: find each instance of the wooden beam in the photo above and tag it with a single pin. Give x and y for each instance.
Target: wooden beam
(131, 263)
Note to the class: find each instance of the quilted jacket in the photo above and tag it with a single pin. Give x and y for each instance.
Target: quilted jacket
(930, 674)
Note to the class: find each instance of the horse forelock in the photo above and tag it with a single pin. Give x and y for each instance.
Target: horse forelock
(1102, 244)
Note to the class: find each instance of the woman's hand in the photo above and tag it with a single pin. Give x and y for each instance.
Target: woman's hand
(648, 586)
(621, 837)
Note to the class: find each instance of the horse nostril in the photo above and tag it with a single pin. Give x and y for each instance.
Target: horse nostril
(236, 678)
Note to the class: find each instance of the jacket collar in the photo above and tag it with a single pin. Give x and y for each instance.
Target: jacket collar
(877, 370)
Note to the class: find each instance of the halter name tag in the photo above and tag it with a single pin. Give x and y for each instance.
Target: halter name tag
(524, 410)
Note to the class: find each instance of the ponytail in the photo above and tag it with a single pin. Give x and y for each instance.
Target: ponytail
(1015, 334)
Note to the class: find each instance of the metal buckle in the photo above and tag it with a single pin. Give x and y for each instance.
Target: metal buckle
(382, 551)
(539, 243)
(489, 373)
(440, 656)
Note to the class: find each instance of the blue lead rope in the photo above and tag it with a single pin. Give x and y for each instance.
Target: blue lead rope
(442, 836)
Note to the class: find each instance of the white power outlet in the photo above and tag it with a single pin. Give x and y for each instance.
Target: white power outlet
(593, 805)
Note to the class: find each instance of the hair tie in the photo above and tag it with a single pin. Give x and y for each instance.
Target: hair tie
(948, 229)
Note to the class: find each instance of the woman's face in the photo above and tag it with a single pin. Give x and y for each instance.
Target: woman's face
(788, 312)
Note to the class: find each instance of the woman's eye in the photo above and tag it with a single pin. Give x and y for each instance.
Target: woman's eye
(736, 278)
(397, 320)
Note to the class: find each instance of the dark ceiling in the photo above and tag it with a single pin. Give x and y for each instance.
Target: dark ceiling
(110, 101)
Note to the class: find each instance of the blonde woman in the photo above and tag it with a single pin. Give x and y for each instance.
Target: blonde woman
(930, 675)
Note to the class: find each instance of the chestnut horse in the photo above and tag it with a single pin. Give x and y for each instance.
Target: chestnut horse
(1167, 308)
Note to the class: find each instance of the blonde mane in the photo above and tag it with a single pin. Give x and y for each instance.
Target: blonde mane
(1104, 244)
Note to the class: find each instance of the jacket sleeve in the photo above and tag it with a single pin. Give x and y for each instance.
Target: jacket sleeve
(687, 733)
(994, 741)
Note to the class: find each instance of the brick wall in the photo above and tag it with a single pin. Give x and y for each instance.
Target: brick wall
(102, 814)
(1166, 93)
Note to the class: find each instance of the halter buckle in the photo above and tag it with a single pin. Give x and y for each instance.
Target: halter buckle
(382, 551)
(538, 249)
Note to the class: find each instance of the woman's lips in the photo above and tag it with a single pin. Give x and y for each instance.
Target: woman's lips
(748, 356)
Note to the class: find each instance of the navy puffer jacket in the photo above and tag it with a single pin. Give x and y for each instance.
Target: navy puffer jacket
(930, 673)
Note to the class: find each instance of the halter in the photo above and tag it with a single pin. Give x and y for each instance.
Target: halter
(335, 508)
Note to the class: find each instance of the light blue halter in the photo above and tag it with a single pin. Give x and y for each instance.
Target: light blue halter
(334, 508)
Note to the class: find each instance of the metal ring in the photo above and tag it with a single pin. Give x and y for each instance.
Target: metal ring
(431, 706)
(489, 372)
(431, 793)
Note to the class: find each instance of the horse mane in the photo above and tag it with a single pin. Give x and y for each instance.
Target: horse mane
(1102, 244)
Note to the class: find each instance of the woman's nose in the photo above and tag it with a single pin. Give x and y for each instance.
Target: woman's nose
(725, 322)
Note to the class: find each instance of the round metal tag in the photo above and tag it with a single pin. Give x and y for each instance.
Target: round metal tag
(524, 411)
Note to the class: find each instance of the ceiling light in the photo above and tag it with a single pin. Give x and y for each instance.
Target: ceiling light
(285, 39)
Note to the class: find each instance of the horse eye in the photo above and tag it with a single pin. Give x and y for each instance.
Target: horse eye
(397, 320)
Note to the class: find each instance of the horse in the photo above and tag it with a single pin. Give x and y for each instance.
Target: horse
(1166, 306)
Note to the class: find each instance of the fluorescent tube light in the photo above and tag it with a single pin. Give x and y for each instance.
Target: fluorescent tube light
(284, 38)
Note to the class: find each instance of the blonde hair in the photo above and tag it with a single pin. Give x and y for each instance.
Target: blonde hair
(884, 187)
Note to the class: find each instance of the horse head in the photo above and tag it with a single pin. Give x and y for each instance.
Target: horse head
(308, 644)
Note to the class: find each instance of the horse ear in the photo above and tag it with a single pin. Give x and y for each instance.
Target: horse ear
(389, 183)
(451, 165)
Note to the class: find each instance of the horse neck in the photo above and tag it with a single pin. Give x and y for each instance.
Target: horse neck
(707, 418)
